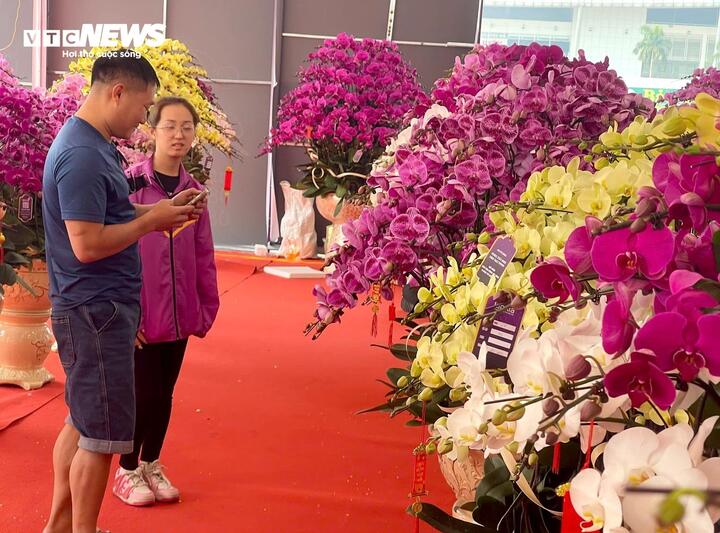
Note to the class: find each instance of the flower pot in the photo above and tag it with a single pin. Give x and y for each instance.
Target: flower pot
(463, 476)
(25, 338)
(326, 205)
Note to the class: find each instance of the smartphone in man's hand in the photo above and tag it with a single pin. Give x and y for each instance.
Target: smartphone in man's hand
(199, 197)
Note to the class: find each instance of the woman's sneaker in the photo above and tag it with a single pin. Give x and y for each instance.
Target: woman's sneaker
(130, 486)
(159, 483)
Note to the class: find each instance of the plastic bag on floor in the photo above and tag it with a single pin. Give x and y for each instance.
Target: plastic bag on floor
(297, 227)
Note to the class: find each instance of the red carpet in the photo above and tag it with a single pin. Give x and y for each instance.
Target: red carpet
(264, 436)
(17, 403)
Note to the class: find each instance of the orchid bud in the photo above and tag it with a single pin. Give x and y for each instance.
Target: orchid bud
(483, 428)
(517, 303)
(601, 163)
(483, 238)
(590, 410)
(551, 438)
(415, 369)
(568, 395)
(402, 382)
(503, 298)
(577, 368)
(499, 417)
(532, 459)
(431, 447)
(441, 422)
(554, 314)
(641, 140)
(550, 406)
(513, 447)
(645, 207)
(516, 414)
(638, 225)
(446, 446)
(671, 511)
(471, 237)
(411, 400)
(649, 192)
(425, 395)
(458, 395)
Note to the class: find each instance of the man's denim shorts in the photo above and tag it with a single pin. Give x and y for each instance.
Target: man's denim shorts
(96, 346)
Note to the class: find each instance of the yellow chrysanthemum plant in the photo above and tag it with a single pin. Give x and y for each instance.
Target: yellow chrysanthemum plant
(179, 75)
(557, 200)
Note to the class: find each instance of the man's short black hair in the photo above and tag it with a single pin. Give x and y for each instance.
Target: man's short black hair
(125, 64)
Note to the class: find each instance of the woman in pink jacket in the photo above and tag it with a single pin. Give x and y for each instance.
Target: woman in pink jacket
(179, 298)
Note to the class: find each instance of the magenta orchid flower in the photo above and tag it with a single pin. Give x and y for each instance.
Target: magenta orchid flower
(682, 335)
(621, 254)
(552, 279)
(642, 380)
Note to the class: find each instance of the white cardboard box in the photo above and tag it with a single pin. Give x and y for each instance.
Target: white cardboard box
(294, 272)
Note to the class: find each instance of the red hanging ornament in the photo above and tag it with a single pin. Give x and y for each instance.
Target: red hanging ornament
(227, 186)
(391, 317)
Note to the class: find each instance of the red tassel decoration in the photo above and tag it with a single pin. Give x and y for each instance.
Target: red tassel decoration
(588, 452)
(556, 459)
(391, 317)
(420, 471)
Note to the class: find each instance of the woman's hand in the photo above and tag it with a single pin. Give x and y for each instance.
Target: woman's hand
(140, 340)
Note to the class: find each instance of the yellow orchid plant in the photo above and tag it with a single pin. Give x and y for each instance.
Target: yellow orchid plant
(179, 75)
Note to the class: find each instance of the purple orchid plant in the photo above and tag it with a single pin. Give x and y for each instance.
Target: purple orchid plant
(504, 112)
(352, 98)
(30, 118)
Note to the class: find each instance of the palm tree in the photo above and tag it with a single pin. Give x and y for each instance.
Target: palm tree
(653, 46)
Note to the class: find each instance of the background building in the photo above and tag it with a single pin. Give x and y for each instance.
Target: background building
(252, 50)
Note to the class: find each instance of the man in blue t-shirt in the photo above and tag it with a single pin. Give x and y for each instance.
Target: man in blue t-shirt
(91, 229)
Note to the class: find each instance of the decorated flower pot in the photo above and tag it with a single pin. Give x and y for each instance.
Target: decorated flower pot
(25, 338)
(463, 476)
(326, 206)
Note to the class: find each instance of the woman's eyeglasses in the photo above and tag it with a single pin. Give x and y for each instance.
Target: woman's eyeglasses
(185, 129)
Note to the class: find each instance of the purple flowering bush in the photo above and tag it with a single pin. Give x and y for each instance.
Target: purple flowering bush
(504, 112)
(702, 81)
(351, 100)
(29, 121)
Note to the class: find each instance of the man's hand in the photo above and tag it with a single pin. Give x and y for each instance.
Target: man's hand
(183, 197)
(166, 215)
